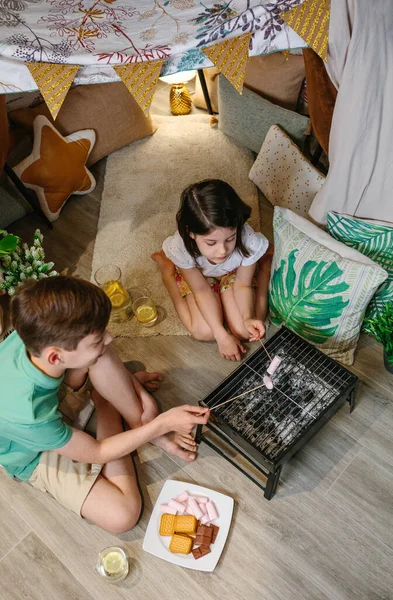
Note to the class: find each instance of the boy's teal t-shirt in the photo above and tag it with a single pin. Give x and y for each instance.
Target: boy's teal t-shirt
(30, 421)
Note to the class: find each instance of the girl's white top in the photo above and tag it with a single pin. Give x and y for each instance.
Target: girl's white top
(256, 244)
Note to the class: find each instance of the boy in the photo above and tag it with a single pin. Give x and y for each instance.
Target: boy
(60, 346)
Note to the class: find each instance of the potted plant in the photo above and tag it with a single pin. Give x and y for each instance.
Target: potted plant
(19, 261)
(381, 327)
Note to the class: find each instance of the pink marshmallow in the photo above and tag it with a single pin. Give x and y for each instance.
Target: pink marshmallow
(201, 499)
(268, 382)
(211, 511)
(196, 511)
(203, 509)
(183, 497)
(205, 520)
(274, 365)
(169, 510)
(177, 505)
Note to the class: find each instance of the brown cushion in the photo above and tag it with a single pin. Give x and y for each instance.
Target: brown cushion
(321, 96)
(276, 77)
(108, 108)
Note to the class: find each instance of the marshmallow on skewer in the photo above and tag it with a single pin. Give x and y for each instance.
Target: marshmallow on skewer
(177, 505)
(166, 509)
(275, 363)
(268, 382)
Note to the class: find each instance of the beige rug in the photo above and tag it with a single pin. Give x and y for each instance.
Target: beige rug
(142, 188)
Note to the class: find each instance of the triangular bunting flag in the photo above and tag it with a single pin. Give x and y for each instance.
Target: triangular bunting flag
(310, 20)
(230, 58)
(140, 80)
(53, 81)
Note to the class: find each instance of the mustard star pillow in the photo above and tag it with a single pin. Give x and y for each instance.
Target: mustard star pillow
(56, 167)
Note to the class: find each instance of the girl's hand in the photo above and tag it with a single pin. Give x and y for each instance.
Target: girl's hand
(230, 347)
(256, 329)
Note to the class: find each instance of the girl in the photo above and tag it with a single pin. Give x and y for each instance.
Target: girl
(208, 267)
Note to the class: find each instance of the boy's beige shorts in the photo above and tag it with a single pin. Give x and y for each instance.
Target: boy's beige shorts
(68, 481)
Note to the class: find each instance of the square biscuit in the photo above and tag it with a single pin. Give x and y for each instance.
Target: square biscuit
(181, 544)
(185, 524)
(167, 524)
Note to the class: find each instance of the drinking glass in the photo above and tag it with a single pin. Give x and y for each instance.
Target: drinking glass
(145, 311)
(108, 277)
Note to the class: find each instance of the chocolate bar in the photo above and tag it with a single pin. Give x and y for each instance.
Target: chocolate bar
(203, 540)
(200, 551)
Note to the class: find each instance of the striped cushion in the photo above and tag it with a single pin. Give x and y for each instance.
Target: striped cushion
(373, 239)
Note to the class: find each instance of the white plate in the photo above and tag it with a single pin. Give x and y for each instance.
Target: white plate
(159, 545)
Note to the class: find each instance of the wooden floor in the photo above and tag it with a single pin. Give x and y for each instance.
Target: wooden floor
(327, 534)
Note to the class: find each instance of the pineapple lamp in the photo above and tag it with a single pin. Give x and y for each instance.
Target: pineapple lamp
(179, 96)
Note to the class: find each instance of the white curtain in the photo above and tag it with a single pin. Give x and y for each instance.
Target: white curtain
(360, 64)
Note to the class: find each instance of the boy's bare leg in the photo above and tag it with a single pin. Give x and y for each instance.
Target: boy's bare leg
(114, 501)
(186, 308)
(262, 290)
(113, 382)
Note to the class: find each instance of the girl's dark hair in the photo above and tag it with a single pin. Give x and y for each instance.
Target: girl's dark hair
(209, 204)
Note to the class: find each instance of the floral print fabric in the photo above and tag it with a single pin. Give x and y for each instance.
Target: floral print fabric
(98, 34)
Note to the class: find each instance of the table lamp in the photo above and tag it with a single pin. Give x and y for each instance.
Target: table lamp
(179, 96)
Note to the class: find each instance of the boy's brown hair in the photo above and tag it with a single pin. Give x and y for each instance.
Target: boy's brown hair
(58, 311)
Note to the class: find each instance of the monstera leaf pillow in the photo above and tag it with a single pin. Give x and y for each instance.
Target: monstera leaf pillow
(375, 240)
(319, 287)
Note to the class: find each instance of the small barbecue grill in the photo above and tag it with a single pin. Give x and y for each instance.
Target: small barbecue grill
(266, 426)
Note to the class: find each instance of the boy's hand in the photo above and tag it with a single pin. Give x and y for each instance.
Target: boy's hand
(256, 329)
(184, 418)
(230, 347)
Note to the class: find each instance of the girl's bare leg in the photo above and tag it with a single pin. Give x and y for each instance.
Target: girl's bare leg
(186, 308)
(262, 291)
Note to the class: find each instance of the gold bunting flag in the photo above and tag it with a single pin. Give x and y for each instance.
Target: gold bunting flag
(310, 20)
(141, 80)
(230, 58)
(53, 81)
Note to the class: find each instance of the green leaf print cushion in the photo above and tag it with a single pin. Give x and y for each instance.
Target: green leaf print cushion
(375, 240)
(319, 287)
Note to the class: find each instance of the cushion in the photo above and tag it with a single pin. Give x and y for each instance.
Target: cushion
(108, 108)
(373, 239)
(283, 173)
(276, 77)
(55, 169)
(321, 96)
(247, 118)
(319, 287)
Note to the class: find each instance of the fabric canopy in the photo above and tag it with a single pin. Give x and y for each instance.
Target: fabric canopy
(99, 34)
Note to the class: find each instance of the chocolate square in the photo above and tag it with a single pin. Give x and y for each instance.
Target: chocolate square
(215, 529)
(203, 540)
(197, 553)
(204, 550)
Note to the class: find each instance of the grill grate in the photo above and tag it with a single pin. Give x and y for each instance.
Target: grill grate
(306, 386)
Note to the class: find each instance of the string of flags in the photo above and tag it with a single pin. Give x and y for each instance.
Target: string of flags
(310, 20)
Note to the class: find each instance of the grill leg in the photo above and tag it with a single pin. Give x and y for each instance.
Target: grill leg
(198, 434)
(271, 485)
(351, 400)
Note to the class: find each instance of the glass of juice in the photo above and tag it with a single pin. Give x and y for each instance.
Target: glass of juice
(112, 564)
(108, 277)
(145, 311)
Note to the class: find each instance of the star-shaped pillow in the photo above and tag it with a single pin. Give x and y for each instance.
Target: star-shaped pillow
(56, 167)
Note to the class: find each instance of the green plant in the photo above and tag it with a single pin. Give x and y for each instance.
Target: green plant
(19, 261)
(8, 243)
(310, 311)
(381, 327)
